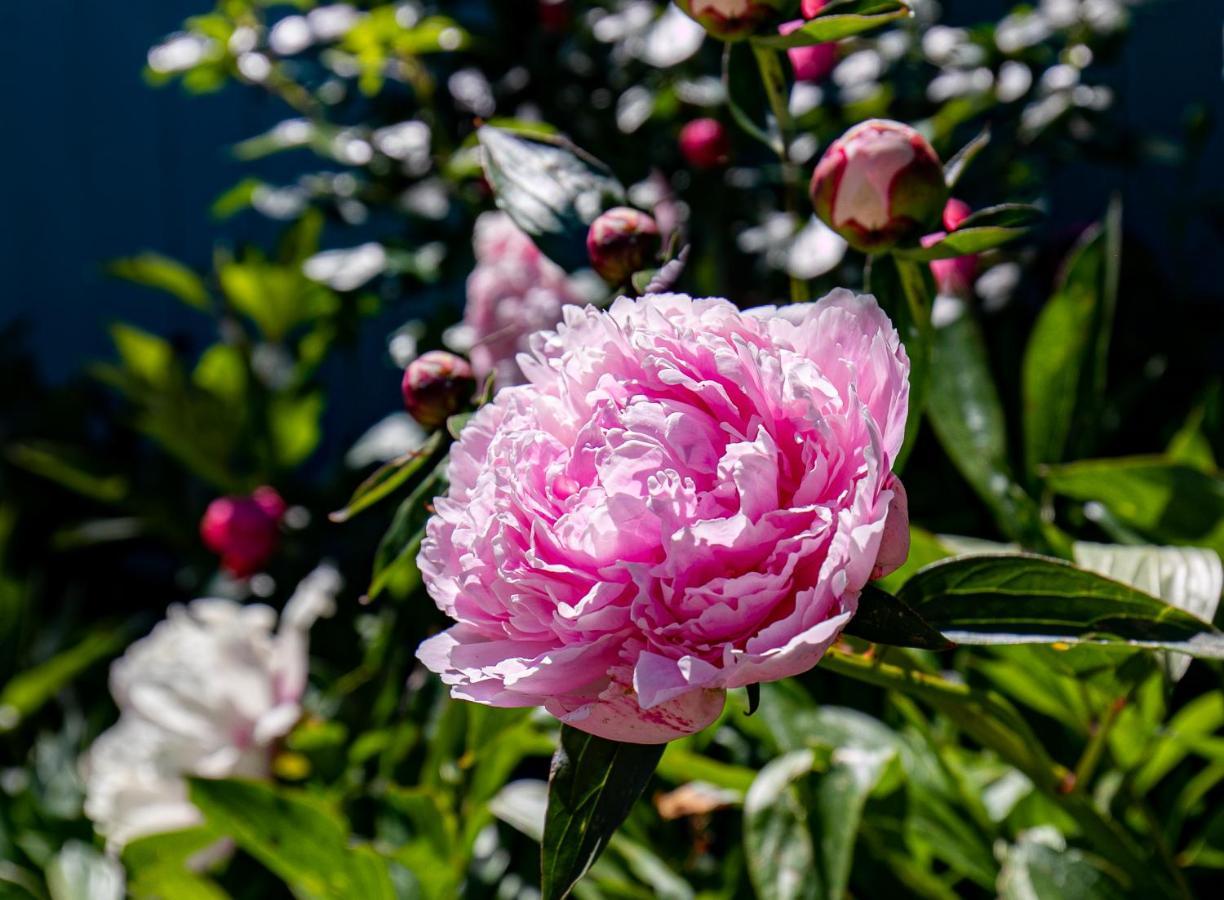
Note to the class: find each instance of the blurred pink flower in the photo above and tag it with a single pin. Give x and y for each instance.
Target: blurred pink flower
(730, 19)
(704, 143)
(513, 292)
(244, 531)
(684, 498)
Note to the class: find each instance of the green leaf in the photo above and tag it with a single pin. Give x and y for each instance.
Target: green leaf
(28, 691)
(395, 559)
(838, 20)
(276, 298)
(1185, 577)
(1040, 865)
(1059, 361)
(593, 784)
(294, 426)
(551, 189)
(884, 619)
(960, 162)
(164, 274)
(1165, 502)
(295, 837)
(967, 417)
(68, 468)
(778, 846)
(388, 479)
(985, 230)
(1019, 599)
(159, 869)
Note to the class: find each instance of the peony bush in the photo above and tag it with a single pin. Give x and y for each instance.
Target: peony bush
(595, 347)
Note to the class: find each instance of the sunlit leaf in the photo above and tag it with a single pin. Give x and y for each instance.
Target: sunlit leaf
(388, 479)
(164, 274)
(838, 20)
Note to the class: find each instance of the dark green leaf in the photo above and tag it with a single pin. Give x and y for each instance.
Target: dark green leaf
(885, 619)
(26, 692)
(593, 784)
(1165, 502)
(956, 166)
(395, 559)
(388, 479)
(778, 846)
(1019, 599)
(552, 190)
(1060, 359)
(985, 230)
(967, 417)
(838, 20)
(298, 839)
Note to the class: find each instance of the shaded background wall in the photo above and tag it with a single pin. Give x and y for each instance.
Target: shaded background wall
(97, 164)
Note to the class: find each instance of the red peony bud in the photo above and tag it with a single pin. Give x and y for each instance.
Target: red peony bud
(244, 531)
(622, 241)
(705, 144)
(953, 277)
(437, 385)
(730, 20)
(879, 183)
(812, 8)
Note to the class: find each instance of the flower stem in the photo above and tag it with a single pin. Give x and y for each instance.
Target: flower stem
(773, 77)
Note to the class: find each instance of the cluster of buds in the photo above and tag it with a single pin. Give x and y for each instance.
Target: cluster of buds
(437, 385)
(879, 183)
(730, 20)
(244, 531)
(622, 241)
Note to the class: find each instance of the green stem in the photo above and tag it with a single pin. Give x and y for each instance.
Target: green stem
(1091, 756)
(773, 77)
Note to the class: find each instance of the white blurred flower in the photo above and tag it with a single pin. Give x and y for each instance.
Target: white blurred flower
(349, 269)
(180, 52)
(290, 35)
(207, 693)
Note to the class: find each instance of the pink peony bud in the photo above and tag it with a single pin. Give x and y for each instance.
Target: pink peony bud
(730, 20)
(879, 183)
(811, 8)
(437, 385)
(705, 144)
(244, 531)
(953, 277)
(622, 241)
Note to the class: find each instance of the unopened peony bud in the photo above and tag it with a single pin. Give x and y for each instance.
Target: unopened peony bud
(879, 183)
(244, 531)
(730, 20)
(705, 144)
(812, 63)
(622, 241)
(953, 277)
(436, 386)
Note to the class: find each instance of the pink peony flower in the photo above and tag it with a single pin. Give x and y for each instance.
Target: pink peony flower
(682, 499)
(705, 144)
(513, 292)
(953, 277)
(879, 183)
(244, 531)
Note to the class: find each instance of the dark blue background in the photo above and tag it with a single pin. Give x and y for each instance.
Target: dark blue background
(96, 164)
